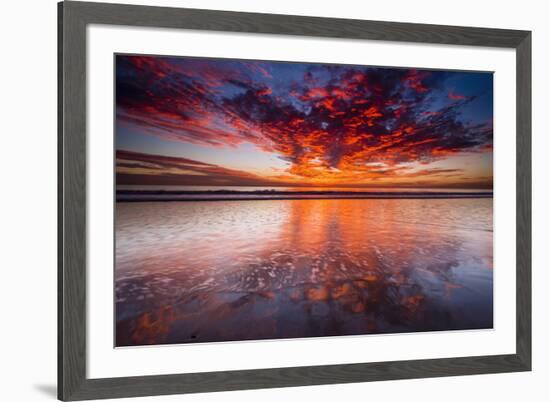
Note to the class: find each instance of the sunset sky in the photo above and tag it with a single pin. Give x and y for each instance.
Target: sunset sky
(220, 122)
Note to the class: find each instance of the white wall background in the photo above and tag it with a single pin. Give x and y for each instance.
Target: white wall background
(28, 199)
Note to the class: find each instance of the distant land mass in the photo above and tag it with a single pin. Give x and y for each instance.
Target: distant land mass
(127, 195)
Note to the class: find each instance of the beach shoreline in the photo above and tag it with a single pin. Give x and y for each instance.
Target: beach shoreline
(228, 195)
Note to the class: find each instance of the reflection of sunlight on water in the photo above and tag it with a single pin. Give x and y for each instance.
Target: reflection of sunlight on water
(206, 271)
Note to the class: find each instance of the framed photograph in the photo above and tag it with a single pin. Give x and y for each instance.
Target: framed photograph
(255, 201)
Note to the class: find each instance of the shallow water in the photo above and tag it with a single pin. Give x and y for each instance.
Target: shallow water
(234, 270)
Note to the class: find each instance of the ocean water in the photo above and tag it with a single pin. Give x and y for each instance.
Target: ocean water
(245, 189)
(240, 270)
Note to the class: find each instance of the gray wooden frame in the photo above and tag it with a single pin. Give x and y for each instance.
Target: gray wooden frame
(73, 17)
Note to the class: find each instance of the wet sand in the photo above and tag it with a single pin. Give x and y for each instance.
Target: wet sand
(203, 272)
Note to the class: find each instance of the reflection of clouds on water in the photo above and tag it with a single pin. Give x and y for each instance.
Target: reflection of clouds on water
(212, 271)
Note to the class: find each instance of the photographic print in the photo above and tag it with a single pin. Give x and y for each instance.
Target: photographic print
(271, 200)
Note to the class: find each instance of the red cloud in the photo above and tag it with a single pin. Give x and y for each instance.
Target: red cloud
(140, 168)
(336, 131)
(455, 96)
(414, 79)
